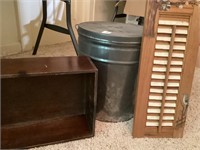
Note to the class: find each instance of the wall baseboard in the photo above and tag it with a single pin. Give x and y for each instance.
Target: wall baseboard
(10, 49)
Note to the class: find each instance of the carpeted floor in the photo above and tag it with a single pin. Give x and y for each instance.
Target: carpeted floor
(117, 136)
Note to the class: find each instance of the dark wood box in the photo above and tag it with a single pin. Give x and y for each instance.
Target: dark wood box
(47, 100)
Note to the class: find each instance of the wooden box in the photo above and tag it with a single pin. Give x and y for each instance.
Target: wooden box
(47, 100)
(167, 64)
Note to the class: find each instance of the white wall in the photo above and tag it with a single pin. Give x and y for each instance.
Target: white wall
(30, 17)
(9, 36)
(20, 21)
(104, 10)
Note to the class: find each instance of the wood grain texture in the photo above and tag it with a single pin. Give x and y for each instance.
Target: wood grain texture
(170, 42)
(198, 57)
(188, 72)
(47, 100)
(141, 94)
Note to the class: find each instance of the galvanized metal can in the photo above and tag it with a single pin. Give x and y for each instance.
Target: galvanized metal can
(114, 48)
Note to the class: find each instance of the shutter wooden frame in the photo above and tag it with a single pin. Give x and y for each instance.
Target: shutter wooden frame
(161, 103)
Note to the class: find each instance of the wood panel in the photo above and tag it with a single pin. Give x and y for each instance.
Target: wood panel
(198, 57)
(47, 100)
(166, 71)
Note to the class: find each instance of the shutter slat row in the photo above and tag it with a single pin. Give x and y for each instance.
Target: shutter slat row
(167, 63)
(166, 56)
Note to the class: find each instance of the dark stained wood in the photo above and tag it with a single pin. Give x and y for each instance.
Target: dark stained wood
(47, 131)
(42, 105)
(33, 98)
(45, 66)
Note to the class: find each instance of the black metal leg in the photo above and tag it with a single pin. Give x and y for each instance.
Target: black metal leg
(44, 5)
(115, 13)
(55, 27)
(69, 25)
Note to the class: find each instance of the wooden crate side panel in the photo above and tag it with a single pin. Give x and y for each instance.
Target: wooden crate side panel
(61, 103)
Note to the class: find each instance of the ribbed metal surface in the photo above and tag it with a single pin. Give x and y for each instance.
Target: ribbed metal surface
(110, 42)
(114, 49)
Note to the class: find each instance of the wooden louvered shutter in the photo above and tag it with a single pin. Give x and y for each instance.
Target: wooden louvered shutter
(167, 63)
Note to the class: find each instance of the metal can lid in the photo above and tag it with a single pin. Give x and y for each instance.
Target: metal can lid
(111, 31)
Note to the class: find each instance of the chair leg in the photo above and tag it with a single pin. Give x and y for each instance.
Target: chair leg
(115, 13)
(43, 25)
(44, 5)
(69, 25)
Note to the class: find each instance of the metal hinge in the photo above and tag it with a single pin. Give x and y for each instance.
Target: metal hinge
(185, 104)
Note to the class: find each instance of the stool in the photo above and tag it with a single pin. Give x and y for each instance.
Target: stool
(116, 15)
(55, 27)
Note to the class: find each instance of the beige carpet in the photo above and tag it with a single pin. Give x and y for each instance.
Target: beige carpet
(117, 136)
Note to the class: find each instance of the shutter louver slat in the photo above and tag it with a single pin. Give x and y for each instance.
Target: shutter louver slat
(168, 47)
(167, 61)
